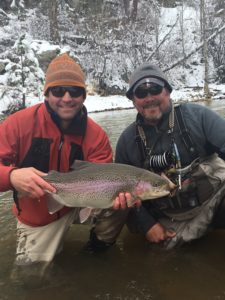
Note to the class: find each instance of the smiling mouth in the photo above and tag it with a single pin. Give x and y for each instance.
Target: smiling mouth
(67, 107)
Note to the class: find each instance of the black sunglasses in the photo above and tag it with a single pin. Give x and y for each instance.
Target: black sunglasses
(59, 91)
(143, 90)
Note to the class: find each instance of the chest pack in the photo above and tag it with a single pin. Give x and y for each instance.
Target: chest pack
(160, 162)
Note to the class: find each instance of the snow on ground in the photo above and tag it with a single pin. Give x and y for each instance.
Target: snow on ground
(98, 103)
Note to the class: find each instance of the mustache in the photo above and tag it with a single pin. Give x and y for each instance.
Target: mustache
(154, 102)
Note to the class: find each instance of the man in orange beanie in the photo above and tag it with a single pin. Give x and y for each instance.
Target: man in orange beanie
(50, 136)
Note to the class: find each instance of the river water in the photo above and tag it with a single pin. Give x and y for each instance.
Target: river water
(131, 270)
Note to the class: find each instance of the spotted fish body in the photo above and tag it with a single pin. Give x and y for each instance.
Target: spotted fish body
(96, 185)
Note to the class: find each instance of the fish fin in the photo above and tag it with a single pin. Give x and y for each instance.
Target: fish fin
(85, 213)
(53, 204)
(80, 164)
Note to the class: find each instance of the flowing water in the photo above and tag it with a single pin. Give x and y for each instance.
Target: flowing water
(131, 270)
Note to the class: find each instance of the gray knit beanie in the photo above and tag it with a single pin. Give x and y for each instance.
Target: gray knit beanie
(145, 71)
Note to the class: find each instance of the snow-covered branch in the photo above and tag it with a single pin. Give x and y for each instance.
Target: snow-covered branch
(178, 62)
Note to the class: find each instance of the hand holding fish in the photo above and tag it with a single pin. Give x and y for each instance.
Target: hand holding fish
(158, 233)
(123, 201)
(29, 181)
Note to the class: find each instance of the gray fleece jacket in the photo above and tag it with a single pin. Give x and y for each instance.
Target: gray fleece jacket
(205, 127)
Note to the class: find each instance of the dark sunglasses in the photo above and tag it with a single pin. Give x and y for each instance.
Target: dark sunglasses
(59, 91)
(143, 90)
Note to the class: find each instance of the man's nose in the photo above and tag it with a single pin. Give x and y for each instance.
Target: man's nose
(149, 97)
(66, 97)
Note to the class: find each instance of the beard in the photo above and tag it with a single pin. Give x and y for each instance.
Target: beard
(153, 119)
(153, 112)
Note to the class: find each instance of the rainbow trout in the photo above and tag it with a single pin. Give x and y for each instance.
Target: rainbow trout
(96, 185)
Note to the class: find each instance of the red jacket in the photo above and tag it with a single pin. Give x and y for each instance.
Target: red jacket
(31, 137)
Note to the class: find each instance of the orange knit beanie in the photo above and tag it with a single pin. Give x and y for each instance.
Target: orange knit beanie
(64, 71)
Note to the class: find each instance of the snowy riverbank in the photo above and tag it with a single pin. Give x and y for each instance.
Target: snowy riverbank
(96, 103)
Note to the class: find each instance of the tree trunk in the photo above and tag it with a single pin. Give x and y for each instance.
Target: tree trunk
(126, 7)
(53, 20)
(205, 50)
(156, 25)
(134, 10)
(182, 28)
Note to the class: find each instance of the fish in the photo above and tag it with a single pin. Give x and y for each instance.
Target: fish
(96, 185)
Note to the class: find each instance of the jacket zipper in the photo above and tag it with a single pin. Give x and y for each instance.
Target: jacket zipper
(59, 151)
(58, 163)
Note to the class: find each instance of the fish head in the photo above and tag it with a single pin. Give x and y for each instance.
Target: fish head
(146, 190)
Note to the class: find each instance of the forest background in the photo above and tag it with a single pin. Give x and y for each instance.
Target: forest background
(109, 38)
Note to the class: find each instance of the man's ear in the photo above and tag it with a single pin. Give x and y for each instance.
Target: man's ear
(167, 91)
(134, 103)
(46, 95)
(84, 98)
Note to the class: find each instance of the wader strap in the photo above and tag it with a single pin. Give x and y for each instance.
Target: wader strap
(142, 135)
(184, 133)
(141, 144)
(144, 146)
(16, 200)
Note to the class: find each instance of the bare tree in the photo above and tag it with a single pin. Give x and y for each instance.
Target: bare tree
(181, 60)
(53, 19)
(217, 46)
(134, 10)
(21, 51)
(126, 4)
(131, 9)
(205, 47)
(182, 28)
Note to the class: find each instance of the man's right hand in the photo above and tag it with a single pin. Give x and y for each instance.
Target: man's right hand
(29, 182)
(123, 200)
(157, 233)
